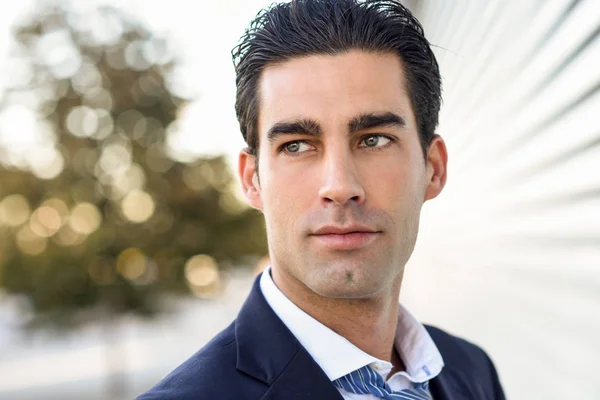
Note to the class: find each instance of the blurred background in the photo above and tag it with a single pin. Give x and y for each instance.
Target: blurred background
(125, 244)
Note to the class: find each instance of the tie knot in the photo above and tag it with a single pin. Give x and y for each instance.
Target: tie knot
(366, 381)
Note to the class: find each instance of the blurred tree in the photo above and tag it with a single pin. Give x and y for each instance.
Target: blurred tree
(95, 217)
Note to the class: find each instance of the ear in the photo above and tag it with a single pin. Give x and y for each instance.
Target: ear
(249, 178)
(437, 163)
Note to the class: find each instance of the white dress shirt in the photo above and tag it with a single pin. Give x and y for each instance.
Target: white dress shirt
(337, 356)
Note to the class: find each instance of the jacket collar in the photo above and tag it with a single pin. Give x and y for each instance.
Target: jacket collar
(269, 352)
(442, 388)
(449, 384)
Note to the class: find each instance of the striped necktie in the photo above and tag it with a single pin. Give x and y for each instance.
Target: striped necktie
(367, 381)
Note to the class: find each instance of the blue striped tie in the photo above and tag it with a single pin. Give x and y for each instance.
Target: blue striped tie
(367, 381)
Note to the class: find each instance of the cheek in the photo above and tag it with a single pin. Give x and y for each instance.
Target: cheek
(398, 188)
(287, 195)
(387, 182)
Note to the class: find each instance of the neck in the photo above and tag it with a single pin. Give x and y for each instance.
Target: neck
(370, 324)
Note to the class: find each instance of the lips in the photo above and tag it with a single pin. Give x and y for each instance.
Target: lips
(345, 238)
(337, 230)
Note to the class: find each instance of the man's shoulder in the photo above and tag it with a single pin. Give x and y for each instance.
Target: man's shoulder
(467, 363)
(210, 373)
(456, 350)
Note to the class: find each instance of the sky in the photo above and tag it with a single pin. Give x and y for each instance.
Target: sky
(203, 36)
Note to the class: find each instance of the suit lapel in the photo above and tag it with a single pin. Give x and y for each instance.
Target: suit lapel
(302, 379)
(448, 385)
(268, 351)
(441, 388)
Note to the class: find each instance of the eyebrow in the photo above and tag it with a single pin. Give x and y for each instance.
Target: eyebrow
(375, 120)
(301, 126)
(311, 127)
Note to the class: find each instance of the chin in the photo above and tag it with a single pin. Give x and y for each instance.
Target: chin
(346, 283)
(345, 293)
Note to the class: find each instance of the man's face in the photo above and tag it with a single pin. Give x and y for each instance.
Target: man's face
(342, 173)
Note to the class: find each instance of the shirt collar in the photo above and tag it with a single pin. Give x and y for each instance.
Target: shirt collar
(337, 356)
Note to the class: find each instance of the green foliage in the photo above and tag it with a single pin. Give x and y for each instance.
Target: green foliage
(102, 217)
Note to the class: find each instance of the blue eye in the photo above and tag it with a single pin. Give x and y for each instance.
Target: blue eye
(297, 146)
(292, 147)
(375, 141)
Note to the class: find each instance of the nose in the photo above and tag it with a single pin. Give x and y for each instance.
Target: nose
(341, 180)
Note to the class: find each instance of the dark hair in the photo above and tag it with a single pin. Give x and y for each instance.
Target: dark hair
(308, 27)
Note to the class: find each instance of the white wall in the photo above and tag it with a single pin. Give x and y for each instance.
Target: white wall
(509, 254)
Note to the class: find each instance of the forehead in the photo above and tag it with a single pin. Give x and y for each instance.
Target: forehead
(332, 89)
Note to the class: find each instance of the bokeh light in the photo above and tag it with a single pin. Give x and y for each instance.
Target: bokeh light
(18, 143)
(116, 157)
(132, 123)
(98, 97)
(106, 124)
(30, 243)
(138, 206)
(103, 222)
(45, 221)
(14, 210)
(132, 263)
(46, 162)
(127, 181)
(57, 50)
(66, 237)
(60, 206)
(135, 56)
(85, 218)
(202, 274)
(82, 121)
(86, 78)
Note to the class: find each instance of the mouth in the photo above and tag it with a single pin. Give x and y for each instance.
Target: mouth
(345, 238)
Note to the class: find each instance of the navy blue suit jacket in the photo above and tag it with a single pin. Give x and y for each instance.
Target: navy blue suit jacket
(258, 358)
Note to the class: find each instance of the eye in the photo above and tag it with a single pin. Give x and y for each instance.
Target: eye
(295, 147)
(375, 141)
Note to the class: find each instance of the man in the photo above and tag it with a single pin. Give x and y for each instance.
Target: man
(338, 101)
